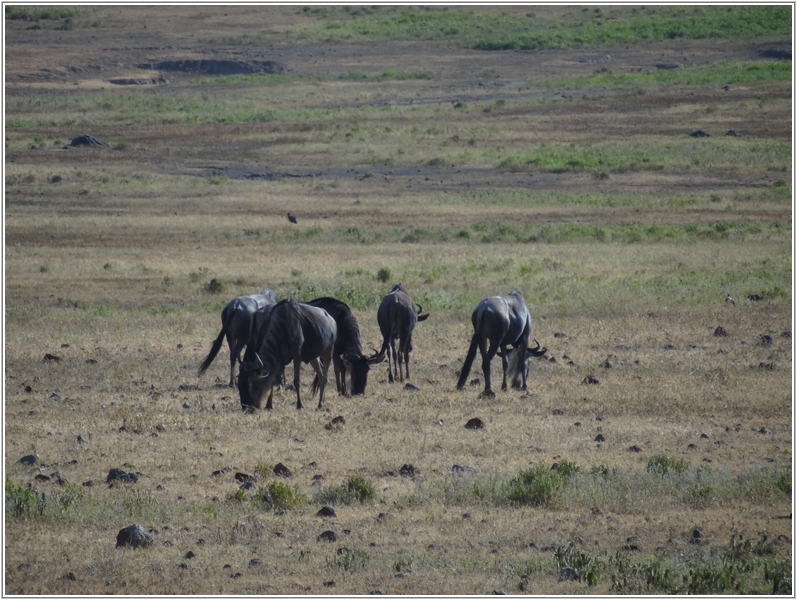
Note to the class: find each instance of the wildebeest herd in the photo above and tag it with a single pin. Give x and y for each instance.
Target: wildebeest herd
(324, 331)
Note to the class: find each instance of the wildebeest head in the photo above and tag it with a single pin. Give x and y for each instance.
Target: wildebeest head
(359, 365)
(253, 381)
(519, 363)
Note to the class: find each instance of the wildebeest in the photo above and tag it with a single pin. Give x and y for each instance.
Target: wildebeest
(348, 354)
(397, 318)
(293, 332)
(501, 321)
(236, 324)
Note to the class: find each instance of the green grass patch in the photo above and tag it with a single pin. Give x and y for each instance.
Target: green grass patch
(492, 30)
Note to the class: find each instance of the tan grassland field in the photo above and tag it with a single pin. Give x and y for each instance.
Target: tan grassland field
(461, 173)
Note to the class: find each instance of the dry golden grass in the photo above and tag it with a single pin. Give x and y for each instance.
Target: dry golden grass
(109, 254)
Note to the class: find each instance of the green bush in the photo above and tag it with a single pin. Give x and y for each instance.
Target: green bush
(279, 496)
(215, 286)
(661, 463)
(23, 502)
(383, 275)
(355, 489)
(537, 486)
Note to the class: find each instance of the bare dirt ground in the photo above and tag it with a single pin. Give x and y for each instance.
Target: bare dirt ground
(717, 401)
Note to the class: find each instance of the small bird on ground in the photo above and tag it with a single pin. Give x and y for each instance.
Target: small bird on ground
(291, 218)
(729, 300)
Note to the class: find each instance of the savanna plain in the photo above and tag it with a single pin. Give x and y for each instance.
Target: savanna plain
(464, 152)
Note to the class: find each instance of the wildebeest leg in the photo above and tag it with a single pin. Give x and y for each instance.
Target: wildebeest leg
(269, 404)
(235, 352)
(505, 364)
(340, 374)
(297, 362)
(391, 359)
(487, 356)
(321, 369)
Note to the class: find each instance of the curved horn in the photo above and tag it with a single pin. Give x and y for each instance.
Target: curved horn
(257, 356)
(420, 308)
(537, 351)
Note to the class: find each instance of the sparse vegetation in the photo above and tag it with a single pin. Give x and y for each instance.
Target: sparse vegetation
(461, 173)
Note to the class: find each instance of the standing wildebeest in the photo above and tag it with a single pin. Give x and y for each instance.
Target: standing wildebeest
(348, 353)
(293, 332)
(236, 324)
(397, 318)
(502, 321)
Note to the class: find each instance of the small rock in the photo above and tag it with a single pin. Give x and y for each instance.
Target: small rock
(764, 430)
(720, 332)
(327, 536)
(600, 438)
(568, 574)
(558, 412)
(410, 387)
(120, 475)
(255, 562)
(189, 555)
(731, 132)
(590, 380)
(474, 423)
(244, 477)
(699, 134)
(559, 334)
(464, 469)
(29, 459)
(755, 297)
(766, 340)
(635, 449)
(408, 470)
(703, 436)
(135, 536)
(281, 470)
(326, 511)
(51, 358)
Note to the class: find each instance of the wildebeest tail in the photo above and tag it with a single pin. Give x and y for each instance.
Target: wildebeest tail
(516, 366)
(463, 375)
(214, 349)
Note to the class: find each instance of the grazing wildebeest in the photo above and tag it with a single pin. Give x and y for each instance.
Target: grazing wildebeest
(397, 318)
(236, 324)
(348, 354)
(293, 332)
(502, 321)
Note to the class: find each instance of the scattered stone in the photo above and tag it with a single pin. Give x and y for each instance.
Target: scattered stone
(766, 340)
(54, 396)
(474, 423)
(243, 477)
(785, 334)
(41, 477)
(338, 421)
(135, 536)
(600, 417)
(408, 470)
(703, 436)
(121, 476)
(568, 574)
(82, 439)
(410, 387)
(464, 469)
(475, 382)
(766, 366)
(85, 140)
(248, 485)
(217, 66)
(185, 566)
(29, 459)
(600, 438)
(329, 584)
(635, 448)
(764, 430)
(606, 364)
(697, 536)
(670, 347)
(590, 380)
(255, 562)
(552, 360)
(559, 334)
(221, 471)
(699, 134)
(88, 483)
(281, 470)
(775, 53)
(720, 332)
(558, 412)
(51, 358)
(158, 80)
(732, 133)
(327, 536)
(326, 511)
(189, 555)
